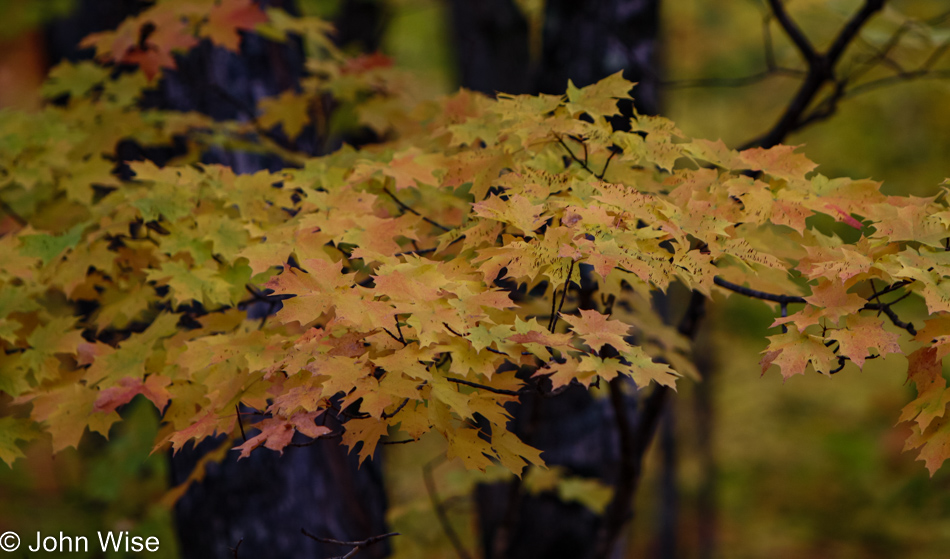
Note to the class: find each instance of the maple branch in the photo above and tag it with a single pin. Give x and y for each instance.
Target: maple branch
(614, 150)
(574, 157)
(439, 507)
(406, 441)
(397, 410)
(821, 70)
(234, 550)
(487, 388)
(409, 209)
(756, 294)
(794, 32)
(356, 545)
(771, 68)
(567, 284)
(895, 320)
(888, 289)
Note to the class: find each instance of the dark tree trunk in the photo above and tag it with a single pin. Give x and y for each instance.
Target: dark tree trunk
(264, 501)
(584, 42)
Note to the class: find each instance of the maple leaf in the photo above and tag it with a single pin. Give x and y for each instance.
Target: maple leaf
(12, 431)
(227, 17)
(598, 330)
(366, 62)
(290, 109)
(365, 431)
(154, 388)
(474, 451)
(276, 432)
(862, 333)
(76, 80)
(599, 98)
(925, 370)
(934, 443)
(936, 332)
(779, 161)
(793, 351)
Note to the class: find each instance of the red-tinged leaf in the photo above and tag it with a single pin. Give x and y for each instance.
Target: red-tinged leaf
(366, 62)
(925, 370)
(542, 338)
(793, 351)
(834, 299)
(936, 332)
(154, 388)
(791, 214)
(845, 216)
(563, 373)
(208, 425)
(597, 329)
(935, 443)
(411, 169)
(862, 333)
(276, 432)
(227, 18)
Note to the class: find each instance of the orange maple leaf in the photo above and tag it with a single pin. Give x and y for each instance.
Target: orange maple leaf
(227, 18)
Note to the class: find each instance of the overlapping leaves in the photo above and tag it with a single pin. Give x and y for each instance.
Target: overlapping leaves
(492, 245)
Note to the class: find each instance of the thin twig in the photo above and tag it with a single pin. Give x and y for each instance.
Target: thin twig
(237, 410)
(355, 545)
(397, 410)
(439, 507)
(574, 157)
(895, 320)
(567, 284)
(409, 209)
(486, 388)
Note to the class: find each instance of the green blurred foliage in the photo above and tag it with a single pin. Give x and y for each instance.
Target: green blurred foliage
(23, 15)
(113, 485)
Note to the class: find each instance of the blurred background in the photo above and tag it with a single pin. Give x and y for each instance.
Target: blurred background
(744, 465)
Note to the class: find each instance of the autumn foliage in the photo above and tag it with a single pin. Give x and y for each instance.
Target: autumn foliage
(422, 283)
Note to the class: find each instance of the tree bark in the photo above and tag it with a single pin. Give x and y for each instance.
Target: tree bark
(582, 41)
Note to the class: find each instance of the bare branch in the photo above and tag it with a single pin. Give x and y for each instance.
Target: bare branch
(486, 388)
(756, 294)
(355, 545)
(414, 212)
(439, 508)
(794, 33)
